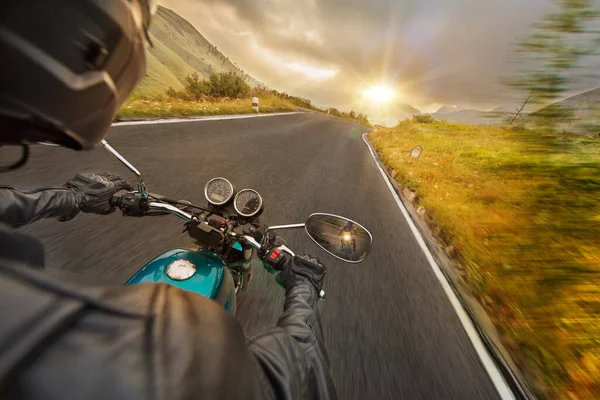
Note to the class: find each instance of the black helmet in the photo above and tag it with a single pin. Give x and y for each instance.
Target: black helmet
(67, 67)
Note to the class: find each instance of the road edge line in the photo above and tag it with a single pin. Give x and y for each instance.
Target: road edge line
(472, 332)
(199, 119)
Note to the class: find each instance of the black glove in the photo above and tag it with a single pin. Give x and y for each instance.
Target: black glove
(297, 268)
(94, 191)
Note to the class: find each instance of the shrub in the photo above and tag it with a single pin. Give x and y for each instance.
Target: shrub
(172, 92)
(423, 119)
(218, 85)
(227, 84)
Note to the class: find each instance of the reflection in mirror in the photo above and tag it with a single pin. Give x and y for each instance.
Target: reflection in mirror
(343, 238)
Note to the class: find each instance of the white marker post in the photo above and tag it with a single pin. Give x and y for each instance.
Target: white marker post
(255, 104)
(416, 151)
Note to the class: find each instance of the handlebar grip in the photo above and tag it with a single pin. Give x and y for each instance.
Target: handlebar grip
(274, 260)
(130, 203)
(115, 201)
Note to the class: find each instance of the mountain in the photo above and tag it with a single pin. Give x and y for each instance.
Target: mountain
(506, 108)
(388, 114)
(585, 106)
(179, 50)
(585, 113)
(446, 110)
(409, 110)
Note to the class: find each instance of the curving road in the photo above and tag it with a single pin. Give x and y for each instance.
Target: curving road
(390, 329)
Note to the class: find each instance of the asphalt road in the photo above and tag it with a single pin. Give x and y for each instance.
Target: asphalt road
(390, 329)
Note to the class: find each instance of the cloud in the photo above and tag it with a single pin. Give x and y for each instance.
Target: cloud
(312, 72)
(430, 51)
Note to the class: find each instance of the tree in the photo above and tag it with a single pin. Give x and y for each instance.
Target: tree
(550, 54)
(520, 110)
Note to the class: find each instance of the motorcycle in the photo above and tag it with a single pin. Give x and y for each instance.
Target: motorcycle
(228, 234)
(347, 244)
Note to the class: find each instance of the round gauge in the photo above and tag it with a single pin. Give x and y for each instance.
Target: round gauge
(218, 191)
(248, 203)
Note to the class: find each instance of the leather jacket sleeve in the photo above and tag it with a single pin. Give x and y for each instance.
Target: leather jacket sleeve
(293, 355)
(148, 341)
(69, 336)
(18, 208)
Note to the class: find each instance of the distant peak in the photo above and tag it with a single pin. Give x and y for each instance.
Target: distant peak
(447, 109)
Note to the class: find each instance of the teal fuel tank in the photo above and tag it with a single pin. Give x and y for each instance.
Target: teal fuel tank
(200, 271)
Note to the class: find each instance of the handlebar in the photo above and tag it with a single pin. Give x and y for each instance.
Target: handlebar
(241, 238)
(134, 204)
(131, 203)
(171, 209)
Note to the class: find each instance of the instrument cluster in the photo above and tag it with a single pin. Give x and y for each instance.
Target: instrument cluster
(247, 203)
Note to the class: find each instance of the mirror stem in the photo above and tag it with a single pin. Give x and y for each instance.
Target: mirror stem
(290, 226)
(140, 181)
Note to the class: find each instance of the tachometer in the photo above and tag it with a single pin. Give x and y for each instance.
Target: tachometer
(248, 203)
(218, 191)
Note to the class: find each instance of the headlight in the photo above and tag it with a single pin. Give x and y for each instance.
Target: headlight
(347, 236)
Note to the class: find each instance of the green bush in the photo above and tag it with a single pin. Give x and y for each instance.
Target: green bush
(423, 119)
(195, 86)
(227, 84)
(171, 92)
(217, 86)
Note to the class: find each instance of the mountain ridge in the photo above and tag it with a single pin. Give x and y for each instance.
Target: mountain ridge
(178, 49)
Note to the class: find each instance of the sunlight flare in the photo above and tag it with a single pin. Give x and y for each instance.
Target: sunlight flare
(379, 94)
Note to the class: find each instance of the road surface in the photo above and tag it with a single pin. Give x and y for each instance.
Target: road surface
(390, 330)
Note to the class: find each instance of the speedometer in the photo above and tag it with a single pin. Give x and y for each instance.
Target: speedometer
(248, 203)
(218, 191)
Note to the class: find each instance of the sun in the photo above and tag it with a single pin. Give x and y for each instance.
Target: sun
(379, 94)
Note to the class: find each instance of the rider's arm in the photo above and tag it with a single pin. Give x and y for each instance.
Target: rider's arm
(18, 208)
(293, 355)
(86, 192)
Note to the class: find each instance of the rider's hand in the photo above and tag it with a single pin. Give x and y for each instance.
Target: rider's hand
(298, 268)
(94, 191)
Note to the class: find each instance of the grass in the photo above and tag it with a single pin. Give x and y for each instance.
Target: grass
(520, 212)
(157, 80)
(167, 107)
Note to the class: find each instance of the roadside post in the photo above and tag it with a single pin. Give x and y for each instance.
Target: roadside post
(416, 151)
(255, 104)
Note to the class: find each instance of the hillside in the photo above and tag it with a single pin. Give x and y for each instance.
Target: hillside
(178, 50)
(585, 118)
(470, 116)
(584, 105)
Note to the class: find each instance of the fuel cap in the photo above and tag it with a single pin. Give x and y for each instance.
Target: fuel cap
(180, 270)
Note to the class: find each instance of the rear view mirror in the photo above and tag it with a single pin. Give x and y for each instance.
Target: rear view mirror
(343, 238)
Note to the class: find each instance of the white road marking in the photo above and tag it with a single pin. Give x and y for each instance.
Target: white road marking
(200, 119)
(489, 364)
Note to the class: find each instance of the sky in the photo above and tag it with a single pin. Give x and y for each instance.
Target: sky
(430, 52)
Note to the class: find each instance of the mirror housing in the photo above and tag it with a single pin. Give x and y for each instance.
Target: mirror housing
(341, 237)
